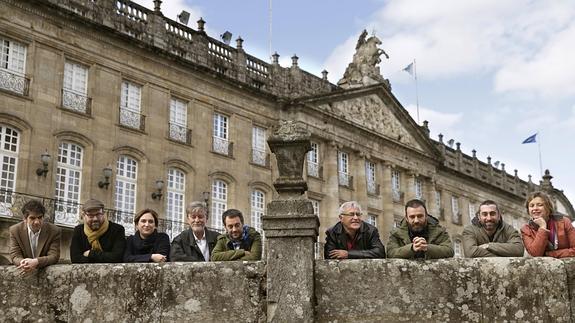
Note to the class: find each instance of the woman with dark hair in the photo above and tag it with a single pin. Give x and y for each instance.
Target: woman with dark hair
(147, 244)
(547, 233)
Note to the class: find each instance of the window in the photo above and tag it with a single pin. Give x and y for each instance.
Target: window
(68, 183)
(9, 142)
(75, 87)
(219, 203)
(179, 120)
(315, 204)
(313, 160)
(258, 206)
(13, 66)
(342, 165)
(438, 204)
(371, 219)
(220, 134)
(259, 146)
(471, 210)
(125, 193)
(418, 188)
(176, 192)
(457, 249)
(395, 185)
(455, 210)
(370, 177)
(130, 106)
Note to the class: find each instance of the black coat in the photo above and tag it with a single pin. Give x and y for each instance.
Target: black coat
(113, 243)
(185, 248)
(141, 250)
(368, 244)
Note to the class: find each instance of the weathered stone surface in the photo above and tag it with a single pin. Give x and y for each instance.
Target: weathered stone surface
(569, 264)
(524, 289)
(397, 291)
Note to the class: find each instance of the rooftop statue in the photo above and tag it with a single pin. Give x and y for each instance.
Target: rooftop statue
(362, 70)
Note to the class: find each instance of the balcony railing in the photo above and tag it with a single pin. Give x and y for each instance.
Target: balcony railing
(13, 82)
(67, 214)
(396, 195)
(345, 180)
(372, 188)
(312, 169)
(180, 133)
(132, 119)
(222, 146)
(259, 157)
(76, 102)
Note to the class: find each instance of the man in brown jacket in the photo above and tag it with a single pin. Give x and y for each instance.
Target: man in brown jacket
(489, 236)
(34, 243)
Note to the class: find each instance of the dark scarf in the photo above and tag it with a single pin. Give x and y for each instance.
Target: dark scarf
(243, 243)
(145, 246)
(423, 234)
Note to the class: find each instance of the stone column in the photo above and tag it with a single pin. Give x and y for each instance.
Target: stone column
(330, 202)
(360, 182)
(387, 201)
(291, 230)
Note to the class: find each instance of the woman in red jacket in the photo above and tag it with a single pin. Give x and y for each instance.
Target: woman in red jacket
(547, 233)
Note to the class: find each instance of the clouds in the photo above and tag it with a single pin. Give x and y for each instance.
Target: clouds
(172, 8)
(438, 121)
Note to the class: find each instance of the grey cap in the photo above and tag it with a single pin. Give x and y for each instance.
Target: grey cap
(92, 204)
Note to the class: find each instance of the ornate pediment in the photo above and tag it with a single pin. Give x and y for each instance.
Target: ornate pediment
(370, 112)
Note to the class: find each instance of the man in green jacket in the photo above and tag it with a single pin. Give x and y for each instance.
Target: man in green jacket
(419, 235)
(240, 242)
(489, 236)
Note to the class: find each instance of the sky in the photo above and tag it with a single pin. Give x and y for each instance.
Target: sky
(490, 73)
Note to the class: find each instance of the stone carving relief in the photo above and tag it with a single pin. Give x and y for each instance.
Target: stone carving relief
(363, 70)
(370, 112)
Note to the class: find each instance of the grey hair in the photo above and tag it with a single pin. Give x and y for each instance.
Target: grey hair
(197, 206)
(349, 205)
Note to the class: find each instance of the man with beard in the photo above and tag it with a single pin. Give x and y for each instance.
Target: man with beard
(197, 242)
(351, 237)
(419, 235)
(489, 236)
(240, 242)
(97, 240)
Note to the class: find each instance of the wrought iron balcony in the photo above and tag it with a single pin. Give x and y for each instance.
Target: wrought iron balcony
(259, 157)
(132, 119)
(397, 196)
(312, 169)
(76, 102)
(222, 146)
(180, 133)
(13, 82)
(372, 188)
(345, 180)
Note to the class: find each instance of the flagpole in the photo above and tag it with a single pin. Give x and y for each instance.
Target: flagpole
(416, 90)
(540, 162)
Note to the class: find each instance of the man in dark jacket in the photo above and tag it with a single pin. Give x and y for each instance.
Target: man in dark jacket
(351, 237)
(241, 242)
(97, 240)
(197, 242)
(489, 236)
(419, 235)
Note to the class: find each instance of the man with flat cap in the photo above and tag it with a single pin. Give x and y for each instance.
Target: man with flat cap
(97, 240)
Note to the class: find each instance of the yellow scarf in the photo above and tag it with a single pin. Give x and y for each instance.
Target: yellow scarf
(93, 236)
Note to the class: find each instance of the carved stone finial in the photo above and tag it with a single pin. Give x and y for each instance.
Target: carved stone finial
(157, 5)
(290, 142)
(458, 144)
(294, 59)
(474, 152)
(276, 58)
(515, 171)
(324, 75)
(440, 136)
(489, 160)
(546, 184)
(363, 69)
(201, 24)
(239, 43)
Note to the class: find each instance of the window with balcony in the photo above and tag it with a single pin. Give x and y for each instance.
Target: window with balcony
(74, 92)
(130, 102)
(13, 67)
(259, 156)
(68, 183)
(456, 216)
(313, 160)
(9, 147)
(396, 185)
(372, 187)
(125, 191)
(179, 121)
(219, 203)
(343, 168)
(471, 210)
(418, 188)
(220, 139)
(371, 219)
(258, 203)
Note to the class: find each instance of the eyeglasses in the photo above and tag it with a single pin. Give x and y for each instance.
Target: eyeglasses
(352, 214)
(93, 215)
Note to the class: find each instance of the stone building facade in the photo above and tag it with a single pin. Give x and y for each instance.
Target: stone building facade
(110, 100)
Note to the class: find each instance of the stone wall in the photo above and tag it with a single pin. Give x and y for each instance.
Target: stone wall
(453, 290)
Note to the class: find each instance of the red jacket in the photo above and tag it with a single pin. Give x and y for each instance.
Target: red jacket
(536, 241)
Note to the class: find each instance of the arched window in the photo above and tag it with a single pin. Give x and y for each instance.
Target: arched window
(125, 193)
(258, 202)
(176, 193)
(219, 203)
(9, 143)
(68, 183)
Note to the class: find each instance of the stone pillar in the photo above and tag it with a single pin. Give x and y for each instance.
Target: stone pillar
(291, 231)
(330, 202)
(360, 182)
(387, 201)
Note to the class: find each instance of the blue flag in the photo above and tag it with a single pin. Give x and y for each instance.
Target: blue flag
(409, 69)
(530, 139)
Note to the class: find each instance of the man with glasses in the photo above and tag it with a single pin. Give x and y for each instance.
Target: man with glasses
(197, 242)
(419, 235)
(241, 242)
(34, 243)
(97, 240)
(351, 237)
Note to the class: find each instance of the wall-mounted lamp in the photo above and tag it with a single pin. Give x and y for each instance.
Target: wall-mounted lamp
(206, 196)
(158, 194)
(45, 158)
(107, 172)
